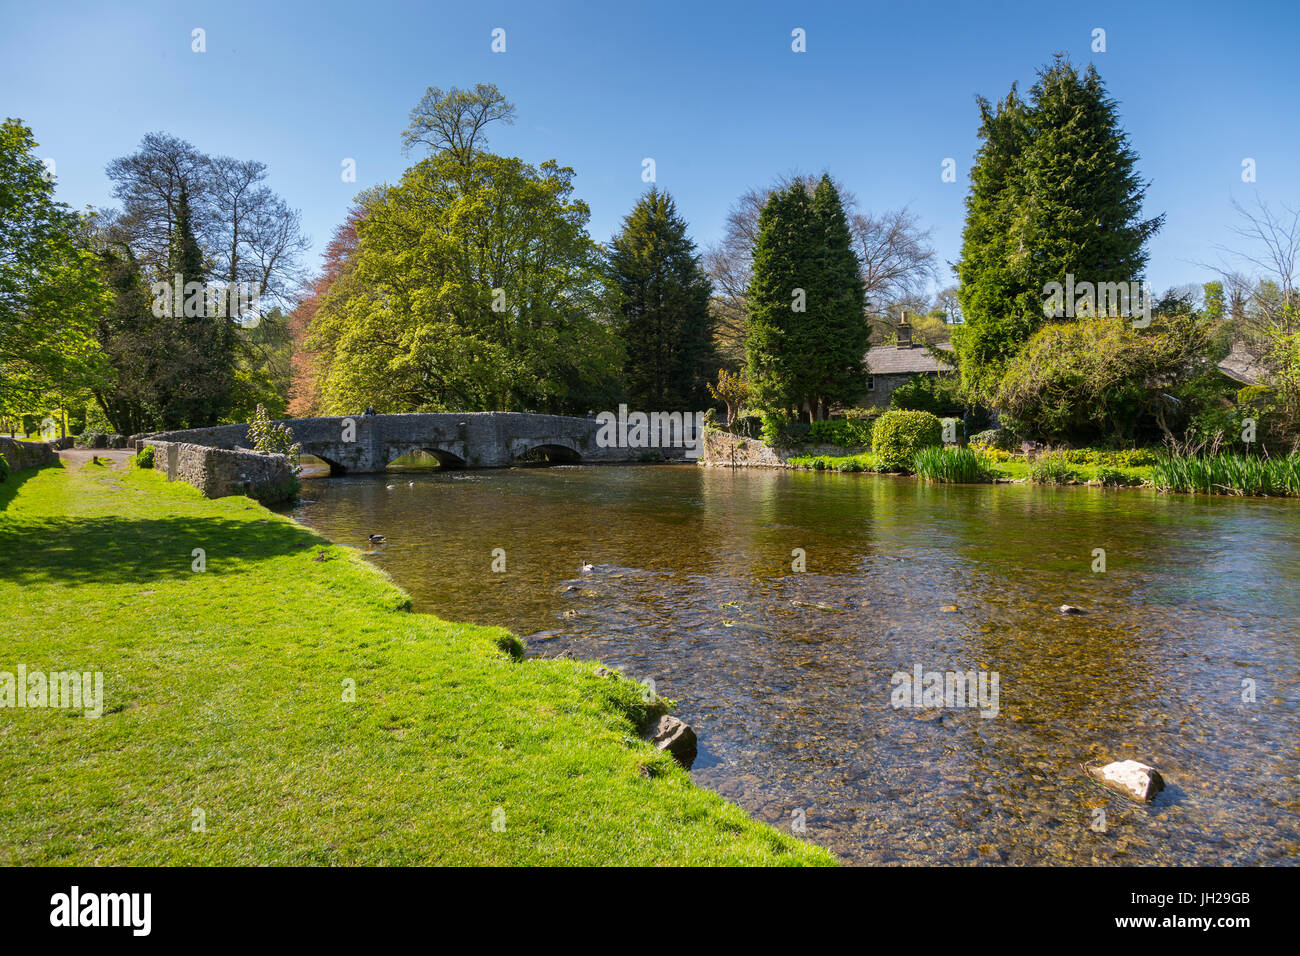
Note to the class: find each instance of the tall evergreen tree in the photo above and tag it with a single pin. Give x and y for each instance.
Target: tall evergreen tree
(665, 320)
(1054, 191)
(807, 327)
(196, 389)
(837, 327)
(787, 260)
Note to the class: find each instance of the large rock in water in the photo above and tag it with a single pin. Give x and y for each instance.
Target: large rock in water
(675, 736)
(1134, 780)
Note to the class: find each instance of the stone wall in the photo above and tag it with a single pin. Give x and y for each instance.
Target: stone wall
(732, 451)
(884, 386)
(361, 444)
(27, 454)
(218, 472)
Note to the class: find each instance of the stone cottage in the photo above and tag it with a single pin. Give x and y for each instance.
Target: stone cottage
(889, 366)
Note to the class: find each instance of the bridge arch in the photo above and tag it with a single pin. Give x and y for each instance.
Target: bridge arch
(546, 453)
(444, 458)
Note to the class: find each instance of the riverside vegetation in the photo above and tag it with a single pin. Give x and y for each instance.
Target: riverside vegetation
(908, 443)
(226, 737)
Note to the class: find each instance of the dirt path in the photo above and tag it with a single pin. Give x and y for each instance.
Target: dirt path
(76, 457)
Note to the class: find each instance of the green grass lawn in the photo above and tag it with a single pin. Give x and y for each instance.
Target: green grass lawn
(224, 694)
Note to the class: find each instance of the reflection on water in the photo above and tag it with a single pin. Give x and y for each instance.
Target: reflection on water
(786, 676)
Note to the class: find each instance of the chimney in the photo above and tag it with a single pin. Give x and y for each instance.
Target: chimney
(904, 333)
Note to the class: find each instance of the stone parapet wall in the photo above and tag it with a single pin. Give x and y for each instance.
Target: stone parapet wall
(27, 454)
(732, 451)
(218, 472)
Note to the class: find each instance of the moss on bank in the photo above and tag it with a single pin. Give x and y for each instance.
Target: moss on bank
(224, 706)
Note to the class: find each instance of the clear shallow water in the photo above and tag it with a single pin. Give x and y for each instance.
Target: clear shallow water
(785, 676)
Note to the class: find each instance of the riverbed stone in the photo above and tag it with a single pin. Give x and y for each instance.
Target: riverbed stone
(1132, 779)
(675, 736)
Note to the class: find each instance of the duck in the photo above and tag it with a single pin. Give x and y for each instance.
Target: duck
(390, 487)
(587, 568)
(376, 539)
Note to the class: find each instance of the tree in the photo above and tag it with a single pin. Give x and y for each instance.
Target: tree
(339, 262)
(786, 260)
(200, 218)
(732, 390)
(1267, 305)
(471, 289)
(50, 289)
(664, 307)
(896, 259)
(452, 121)
(1054, 192)
(807, 329)
(838, 331)
(1100, 377)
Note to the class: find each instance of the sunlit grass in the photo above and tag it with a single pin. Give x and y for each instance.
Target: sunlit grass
(224, 702)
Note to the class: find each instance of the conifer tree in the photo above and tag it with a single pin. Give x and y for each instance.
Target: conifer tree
(787, 262)
(1054, 191)
(837, 324)
(664, 309)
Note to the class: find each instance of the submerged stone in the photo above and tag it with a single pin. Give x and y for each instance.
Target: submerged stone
(1131, 779)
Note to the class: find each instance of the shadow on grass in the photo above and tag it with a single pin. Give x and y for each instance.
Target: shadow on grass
(113, 550)
(15, 480)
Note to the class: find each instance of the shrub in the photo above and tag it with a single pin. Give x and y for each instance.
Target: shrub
(144, 457)
(939, 395)
(780, 432)
(4, 468)
(271, 438)
(747, 426)
(1131, 458)
(845, 432)
(278, 493)
(864, 462)
(1052, 469)
(867, 414)
(1114, 477)
(963, 465)
(898, 436)
(1003, 439)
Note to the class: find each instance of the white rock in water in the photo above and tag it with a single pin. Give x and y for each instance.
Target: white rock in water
(1134, 780)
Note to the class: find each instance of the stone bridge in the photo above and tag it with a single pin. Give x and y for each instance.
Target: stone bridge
(360, 444)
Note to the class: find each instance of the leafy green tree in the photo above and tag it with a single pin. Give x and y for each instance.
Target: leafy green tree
(50, 288)
(1101, 378)
(474, 289)
(663, 307)
(1054, 191)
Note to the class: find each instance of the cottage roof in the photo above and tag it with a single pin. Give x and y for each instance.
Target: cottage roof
(891, 360)
(1240, 366)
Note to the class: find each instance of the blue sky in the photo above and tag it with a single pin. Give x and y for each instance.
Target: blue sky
(712, 92)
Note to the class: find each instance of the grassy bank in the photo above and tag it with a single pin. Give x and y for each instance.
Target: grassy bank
(968, 466)
(225, 738)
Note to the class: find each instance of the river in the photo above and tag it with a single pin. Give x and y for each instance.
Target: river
(1186, 655)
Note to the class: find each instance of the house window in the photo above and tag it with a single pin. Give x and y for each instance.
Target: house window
(871, 383)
